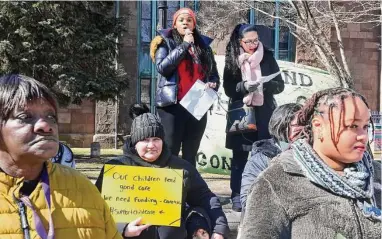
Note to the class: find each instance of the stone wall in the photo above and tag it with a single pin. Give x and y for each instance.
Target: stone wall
(362, 50)
(361, 44)
(77, 124)
(106, 111)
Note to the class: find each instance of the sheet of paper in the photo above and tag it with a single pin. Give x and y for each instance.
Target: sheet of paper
(265, 79)
(155, 194)
(198, 99)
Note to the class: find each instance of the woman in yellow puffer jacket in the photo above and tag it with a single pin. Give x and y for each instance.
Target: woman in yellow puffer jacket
(39, 199)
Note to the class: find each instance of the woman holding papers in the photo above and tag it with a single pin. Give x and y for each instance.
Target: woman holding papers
(246, 61)
(38, 198)
(182, 56)
(202, 214)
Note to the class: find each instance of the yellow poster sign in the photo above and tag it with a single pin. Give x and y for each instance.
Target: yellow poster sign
(155, 194)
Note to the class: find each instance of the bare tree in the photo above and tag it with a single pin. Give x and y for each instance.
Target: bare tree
(313, 23)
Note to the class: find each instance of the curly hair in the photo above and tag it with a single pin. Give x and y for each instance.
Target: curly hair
(233, 47)
(204, 54)
(333, 97)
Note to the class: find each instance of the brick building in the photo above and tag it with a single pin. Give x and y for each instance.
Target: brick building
(80, 125)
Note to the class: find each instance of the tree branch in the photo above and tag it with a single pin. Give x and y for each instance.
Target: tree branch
(278, 17)
(339, 38)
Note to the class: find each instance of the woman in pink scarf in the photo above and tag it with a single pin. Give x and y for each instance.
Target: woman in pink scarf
(246, 61)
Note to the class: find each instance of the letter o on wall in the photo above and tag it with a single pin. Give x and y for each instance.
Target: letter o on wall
(213, 159)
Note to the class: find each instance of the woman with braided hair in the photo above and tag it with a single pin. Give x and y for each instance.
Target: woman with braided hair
(182, 56)
(327, 185)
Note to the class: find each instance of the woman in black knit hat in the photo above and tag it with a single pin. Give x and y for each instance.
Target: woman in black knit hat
(204, 217)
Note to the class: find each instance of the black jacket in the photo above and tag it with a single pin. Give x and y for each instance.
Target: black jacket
(195, 193)
(167, 58)
(234, 89)
(262, 153)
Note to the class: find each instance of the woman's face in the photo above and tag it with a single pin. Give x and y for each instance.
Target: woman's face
(250, 42)
(30, 135)
(351, 136)
(183, 22)
(149, 149)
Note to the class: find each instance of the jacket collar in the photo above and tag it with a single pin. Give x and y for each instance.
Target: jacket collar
(267, 147)
(166, 33)
(289, 164)
(130, 153)
(11, 186)
(8, 182)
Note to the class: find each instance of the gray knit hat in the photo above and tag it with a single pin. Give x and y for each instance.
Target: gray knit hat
(145, 126)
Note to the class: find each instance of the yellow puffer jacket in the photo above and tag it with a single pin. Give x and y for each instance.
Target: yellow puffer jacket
(78, 210)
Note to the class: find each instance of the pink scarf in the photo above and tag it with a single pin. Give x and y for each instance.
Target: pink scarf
(251, 71)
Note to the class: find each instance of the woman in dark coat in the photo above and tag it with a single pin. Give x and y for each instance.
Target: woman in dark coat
(202, 214)
(244, 46)
(182, 56)
(281, 128)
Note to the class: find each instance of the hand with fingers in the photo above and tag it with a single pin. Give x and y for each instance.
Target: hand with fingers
(135, 228)
(251, 86)
(188, 37)
(211, 85)
(217, 236)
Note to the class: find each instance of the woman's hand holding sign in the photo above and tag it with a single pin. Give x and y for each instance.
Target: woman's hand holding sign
(135, 228)
(217, 236)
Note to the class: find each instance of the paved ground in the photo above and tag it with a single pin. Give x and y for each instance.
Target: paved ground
(219, 184)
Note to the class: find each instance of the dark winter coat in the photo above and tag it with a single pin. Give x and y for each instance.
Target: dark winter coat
(262, 153)
(195, 193)
(168, 56)
(285, 204)
(234, 89)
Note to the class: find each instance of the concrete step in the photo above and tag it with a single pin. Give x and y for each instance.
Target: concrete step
(232, 216)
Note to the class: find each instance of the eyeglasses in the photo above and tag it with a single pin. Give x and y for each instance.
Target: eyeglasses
(251, 42)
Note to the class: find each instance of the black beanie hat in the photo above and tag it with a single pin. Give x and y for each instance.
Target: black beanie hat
(145, 126)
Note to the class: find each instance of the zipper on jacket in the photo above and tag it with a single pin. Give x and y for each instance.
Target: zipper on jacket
(23, 219)
(354, 210)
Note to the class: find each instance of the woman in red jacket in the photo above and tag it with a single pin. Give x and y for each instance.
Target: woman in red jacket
(182, 56)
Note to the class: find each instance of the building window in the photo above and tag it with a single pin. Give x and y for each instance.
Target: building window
(267, 33)
(145, 39)
(147, 25)
(147, 29)
(173, 6)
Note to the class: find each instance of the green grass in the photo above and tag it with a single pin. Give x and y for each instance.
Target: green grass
(92, 166)
(104, 152)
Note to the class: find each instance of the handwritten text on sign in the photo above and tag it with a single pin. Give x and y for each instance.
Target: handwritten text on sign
(155, 194)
